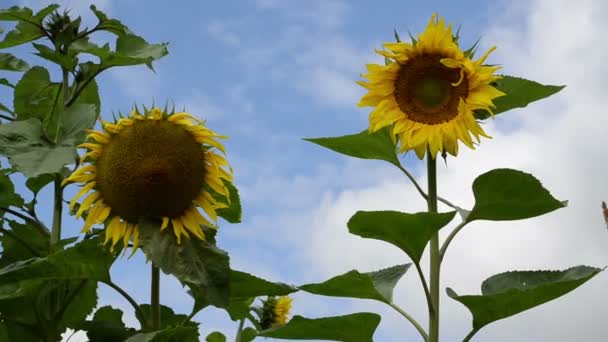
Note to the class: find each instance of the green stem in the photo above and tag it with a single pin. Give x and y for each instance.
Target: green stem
(239, 331)
(130, 299)
(155, 298)
(435, 257)
(58, 208)
(470, 335)
(57, 211)
(449, 239)
(412, 320)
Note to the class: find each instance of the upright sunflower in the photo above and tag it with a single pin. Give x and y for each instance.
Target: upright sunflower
(155, 164)
(429, 91)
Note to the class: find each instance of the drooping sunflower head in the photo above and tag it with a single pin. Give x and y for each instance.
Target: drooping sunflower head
(428, 92)
(152, 164)
(275, 311)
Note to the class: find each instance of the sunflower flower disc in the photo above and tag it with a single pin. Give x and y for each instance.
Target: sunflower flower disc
(155, 165)
(429, 91)
(275, 311)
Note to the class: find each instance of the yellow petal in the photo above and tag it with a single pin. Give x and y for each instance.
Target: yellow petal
(164, 224)
(135, 241)
(112, 226)
(100, 137)
(80, 193)
(87, 203)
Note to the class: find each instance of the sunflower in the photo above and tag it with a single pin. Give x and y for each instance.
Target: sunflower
(156, 164)
(275, 311)
(428, 92)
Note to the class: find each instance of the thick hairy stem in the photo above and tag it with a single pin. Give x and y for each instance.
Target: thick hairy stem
(434, 246)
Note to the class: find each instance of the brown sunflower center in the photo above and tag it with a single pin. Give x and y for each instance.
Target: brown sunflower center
(424, 90)
(152, 168)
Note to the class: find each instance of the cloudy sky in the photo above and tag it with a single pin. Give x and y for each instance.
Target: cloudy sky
(270, 72)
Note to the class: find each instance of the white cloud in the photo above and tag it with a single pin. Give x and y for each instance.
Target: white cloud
(219, 31)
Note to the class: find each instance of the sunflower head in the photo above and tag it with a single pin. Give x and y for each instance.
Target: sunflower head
(152, 164)
(275, 311)
(428, 92)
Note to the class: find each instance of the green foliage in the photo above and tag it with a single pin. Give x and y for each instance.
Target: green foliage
(519, 93)
(506, 194)
(198, 263)
(66, 61)
(12, 63)
(29, 26)
(179, 334)
(168, 318)
(106, 325)
(248, 334)
(410, 232)
(22, 242)
(35, 95)
(215, 336)
(378, 145)
(373, 285)
(244, 285)
(110, 25)
(233, 213)
(86, 260)
(358, 327)
(8, 197)
(509, 293)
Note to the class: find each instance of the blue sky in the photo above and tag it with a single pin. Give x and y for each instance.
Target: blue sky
(269, 72)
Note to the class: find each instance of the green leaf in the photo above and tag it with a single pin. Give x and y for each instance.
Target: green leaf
(509, 293)
(130, 50)
(65, 60)
(378, 145)
(82, 297)
(239, 308)
(409, 232)
(6, 82)
(107, 325)
(15, 332)
(216, 336)
(181, 334)
(8, 196)
(75, 120)
(506, 194)
(519, 93)
(24, 242)
(35, 184)
(22, 142)
(15, 13)
(248, 334)
(110, 25)
(86, 260)
(22, 33)
(358, 327)
(168, 318)
(12, 63)
(233, 213)
(195, 262)
(376, 285)
(35, 95)
(244, 285)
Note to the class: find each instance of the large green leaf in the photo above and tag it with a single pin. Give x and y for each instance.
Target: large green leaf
(35, 95)
(8, 197)
(168, 317)
(29, 26)
(110, 25)
(409, 232)
(23, 143)
(195, 262)
(130, 50)
(67, 61)
(12, 63)
(509, 293)
(520, 92)
(358, 327)
(86, 260)
(82, 296)
(180, 334)
(215, 336)
(376, 285)
(107, 325)
(378, 145)
(16, 332)
(244, 285)
(35, 184)
(506, 194)
(23, 242)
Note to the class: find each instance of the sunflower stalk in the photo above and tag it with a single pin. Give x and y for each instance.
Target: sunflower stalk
(58, 193)
(155, 297)
(435, 256)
